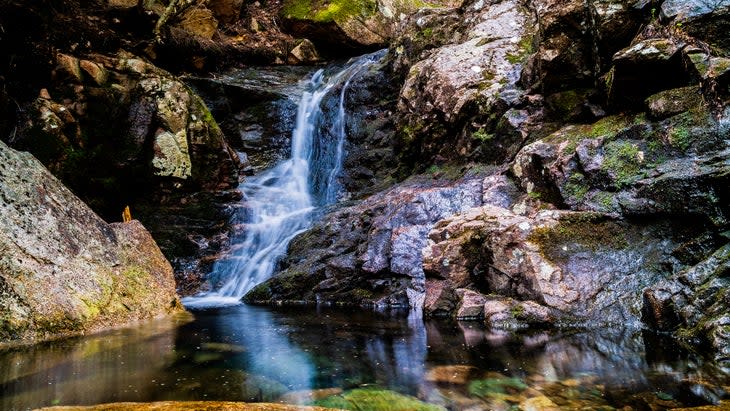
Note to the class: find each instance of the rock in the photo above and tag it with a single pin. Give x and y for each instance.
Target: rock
(551, 266)
(615, 165)
(693, 303)
(122, 4)
(98, 73)
(645, 68)
(337, 23)
(303, 53)
(450, 374)
(376, 399)
(370, 253)
(471, 306)
(563, 57)
(541, 403)
(185, 406)
(225, 11)
(671, 102)
(140, 138)
(452, 94)
(706, 20)
(66, 271)
(199, 22)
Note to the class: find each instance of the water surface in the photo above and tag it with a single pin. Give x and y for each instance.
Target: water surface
(243, 353)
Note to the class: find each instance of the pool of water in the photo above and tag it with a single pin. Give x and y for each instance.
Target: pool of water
(244, 353)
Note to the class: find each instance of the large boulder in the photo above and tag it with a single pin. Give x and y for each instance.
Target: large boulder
(63, 269)
(119, 131)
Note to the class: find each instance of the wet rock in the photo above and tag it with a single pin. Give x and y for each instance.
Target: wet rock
(694, 303)
(460, 90)
(64, 270)
(450, 374)
(303, 53)
(671, 102)
(644, 68)
(553, 266)
(706, 20)
(471, 305)
(340, 24)
(370, 253)
(541, 403)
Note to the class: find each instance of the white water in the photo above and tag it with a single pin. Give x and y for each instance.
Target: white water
(279, 203)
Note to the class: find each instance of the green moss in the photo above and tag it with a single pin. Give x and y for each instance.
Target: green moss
(482, 135)
(328, 11)
(496, 387)
(583, 232)
(680, 138)
(621, 160)
(261, 292)
(534, 195)
(373, 399)
(576, 188)
(604, 199)
(525, 48)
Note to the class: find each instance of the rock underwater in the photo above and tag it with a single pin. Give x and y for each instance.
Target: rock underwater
(63, 270)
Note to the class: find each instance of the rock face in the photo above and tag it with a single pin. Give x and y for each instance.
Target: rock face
(64, 270)
(460, 91)
(357, 24)
(550, 267)
(370, 253)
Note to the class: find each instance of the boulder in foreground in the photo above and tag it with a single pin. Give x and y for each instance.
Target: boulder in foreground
(63, 270)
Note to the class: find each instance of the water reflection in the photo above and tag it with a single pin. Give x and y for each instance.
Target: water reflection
(255, 354)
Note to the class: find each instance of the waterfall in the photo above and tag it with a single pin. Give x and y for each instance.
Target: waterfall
(279, 202)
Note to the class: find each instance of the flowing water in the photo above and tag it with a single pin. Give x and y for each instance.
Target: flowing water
(279, 202)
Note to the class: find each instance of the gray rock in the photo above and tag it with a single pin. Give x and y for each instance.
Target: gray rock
(63, 269)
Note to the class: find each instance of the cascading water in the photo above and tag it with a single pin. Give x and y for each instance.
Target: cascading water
(279, 202)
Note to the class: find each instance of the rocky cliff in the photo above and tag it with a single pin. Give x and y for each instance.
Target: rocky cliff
(606, 125)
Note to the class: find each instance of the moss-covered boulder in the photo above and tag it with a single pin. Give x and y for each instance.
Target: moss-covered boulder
(373, 399)
(64, 270)
(352, 24)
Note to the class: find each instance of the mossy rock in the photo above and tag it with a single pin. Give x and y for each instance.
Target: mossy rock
(496, 387)
(323, 11)
(366, 399)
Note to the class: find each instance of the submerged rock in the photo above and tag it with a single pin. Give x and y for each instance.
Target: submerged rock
(64, 270)
(186, 406)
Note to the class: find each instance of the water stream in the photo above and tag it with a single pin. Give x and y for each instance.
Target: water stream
(279, 202)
